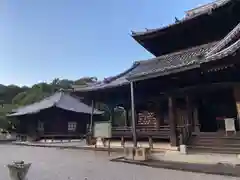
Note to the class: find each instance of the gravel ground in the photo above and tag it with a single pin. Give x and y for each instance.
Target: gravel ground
(59, 164)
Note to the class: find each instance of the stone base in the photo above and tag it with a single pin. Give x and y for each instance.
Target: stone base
(90, 140)
(31, 138)
(129, 153)
(238, 156)
(138, 154)
(173, 148)
(183, 149)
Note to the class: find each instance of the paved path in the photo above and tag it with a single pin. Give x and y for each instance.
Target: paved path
(59, 164)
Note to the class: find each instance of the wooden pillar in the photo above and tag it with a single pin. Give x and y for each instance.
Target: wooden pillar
(172, 121)
(196, 120)
(150, 141)
(158, 118)
(122, 141)
(189, 111)
(133, 116)
(112, 115)
(126, 117)
(161, 115)
(91, 118)
(236, 93)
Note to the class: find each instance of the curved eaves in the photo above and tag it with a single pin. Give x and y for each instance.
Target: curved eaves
(225, 52)
(115, 81)
(225, 41)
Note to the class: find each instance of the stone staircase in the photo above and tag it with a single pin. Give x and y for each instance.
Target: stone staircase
(216, 142)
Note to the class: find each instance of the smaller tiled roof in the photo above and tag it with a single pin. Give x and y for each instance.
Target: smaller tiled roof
(163, 64)
(60, 100)
(115, 81)
(174, 62)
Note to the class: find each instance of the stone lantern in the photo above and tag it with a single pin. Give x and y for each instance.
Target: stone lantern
(18, 170)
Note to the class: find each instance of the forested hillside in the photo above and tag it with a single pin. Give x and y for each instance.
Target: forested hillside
(16, 95)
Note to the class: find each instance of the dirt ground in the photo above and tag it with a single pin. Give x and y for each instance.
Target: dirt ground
(60, 164)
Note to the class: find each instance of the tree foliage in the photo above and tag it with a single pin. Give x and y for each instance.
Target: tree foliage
(13, 94)
(85, 81)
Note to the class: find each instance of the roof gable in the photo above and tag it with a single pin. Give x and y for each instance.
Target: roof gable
(61, 100)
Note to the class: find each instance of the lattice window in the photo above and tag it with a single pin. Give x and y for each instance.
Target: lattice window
(72, 126)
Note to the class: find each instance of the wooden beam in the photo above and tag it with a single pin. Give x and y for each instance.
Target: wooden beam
(172, 121)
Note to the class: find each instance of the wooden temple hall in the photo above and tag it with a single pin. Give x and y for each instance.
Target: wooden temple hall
(59, 116)
(187, 93)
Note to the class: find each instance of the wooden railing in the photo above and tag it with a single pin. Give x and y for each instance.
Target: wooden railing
(143, 131)
(58, 135)
(122, 128)
(141, 128)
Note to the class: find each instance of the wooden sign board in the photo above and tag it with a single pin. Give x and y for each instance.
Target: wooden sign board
(229, 124)
(238, 107)
(102, 130)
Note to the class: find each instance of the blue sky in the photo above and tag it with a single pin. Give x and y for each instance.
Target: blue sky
(45, 39)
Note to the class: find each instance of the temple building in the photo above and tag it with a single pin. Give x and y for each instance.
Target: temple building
(60, 116)
(185, 94)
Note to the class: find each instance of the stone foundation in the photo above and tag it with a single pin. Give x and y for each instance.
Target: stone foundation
(138, 154)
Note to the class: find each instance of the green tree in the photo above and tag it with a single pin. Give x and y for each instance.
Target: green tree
(85, 81)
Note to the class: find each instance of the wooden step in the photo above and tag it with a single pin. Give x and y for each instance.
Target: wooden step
(215, 133)
(218, 137)
(218, 141)
(223, 150)
(217, 145)
(215, 142)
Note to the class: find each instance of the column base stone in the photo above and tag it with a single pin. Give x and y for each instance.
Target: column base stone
(137, 154)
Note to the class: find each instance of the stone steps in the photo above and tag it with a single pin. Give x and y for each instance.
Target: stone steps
(215, 142)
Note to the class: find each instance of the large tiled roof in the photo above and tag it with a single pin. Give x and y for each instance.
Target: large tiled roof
(61, 100)
(191, 14)
(205, 8)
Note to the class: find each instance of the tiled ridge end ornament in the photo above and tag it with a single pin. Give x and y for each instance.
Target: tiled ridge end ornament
(18, 170)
